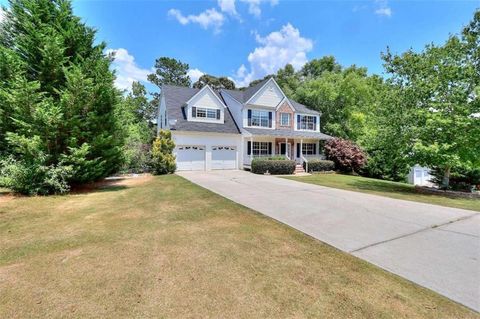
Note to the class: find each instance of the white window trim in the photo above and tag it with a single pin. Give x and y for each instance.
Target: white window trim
(267, 119)
(261, 148)
(308, 149)
(205, 119)
(288, 119)
(315, 128)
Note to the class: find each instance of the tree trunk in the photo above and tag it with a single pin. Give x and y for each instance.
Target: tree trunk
(446, 178)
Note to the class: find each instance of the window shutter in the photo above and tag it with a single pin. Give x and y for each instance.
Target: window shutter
(194, 111)
(270, 147)
(314, 148)
(315, 123)
(249, 148)
(298, 150)
(270, 120)
(249, 117)
(298, 122)
(218, 114)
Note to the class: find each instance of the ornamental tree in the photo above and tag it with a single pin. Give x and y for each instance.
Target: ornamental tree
(347, 156)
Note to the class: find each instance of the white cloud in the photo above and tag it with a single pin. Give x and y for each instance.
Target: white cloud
(206, 19)
(127, 69)
(228, 6)
(254, 6)
(384, 12)
(277, 49)
(194, 74)
(382, 8)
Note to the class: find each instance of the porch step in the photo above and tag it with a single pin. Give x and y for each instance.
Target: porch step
(299, 169)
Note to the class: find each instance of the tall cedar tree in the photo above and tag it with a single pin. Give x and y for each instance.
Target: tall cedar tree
(57, 96)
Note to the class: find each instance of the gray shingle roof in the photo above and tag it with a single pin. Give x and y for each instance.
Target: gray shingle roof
(244, 96)
(175, 100)
(288, 133)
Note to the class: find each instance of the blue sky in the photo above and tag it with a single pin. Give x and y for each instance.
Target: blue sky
(247, 39)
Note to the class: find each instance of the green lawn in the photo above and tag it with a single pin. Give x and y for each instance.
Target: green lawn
(163, 247)
(386, 188)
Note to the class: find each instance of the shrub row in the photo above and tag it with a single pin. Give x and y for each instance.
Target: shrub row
(316, 165)
(275, 167)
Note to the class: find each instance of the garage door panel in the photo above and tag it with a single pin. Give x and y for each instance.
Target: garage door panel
(224, 157)
(190, 157)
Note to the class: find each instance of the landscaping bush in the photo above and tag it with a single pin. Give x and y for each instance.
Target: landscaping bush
(163, 160)
(275, 167)
(34, 178)
(316, 165)
(347, 156)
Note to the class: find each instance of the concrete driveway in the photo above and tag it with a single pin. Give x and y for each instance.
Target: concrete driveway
(436, 247)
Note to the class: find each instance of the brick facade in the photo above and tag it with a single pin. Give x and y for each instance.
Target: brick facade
(284, 108)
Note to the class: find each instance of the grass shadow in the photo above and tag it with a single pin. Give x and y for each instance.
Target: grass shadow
(384, 187)
(106, 185)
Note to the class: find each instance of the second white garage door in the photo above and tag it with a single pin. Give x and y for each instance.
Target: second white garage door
(190, 158)
(224, 157)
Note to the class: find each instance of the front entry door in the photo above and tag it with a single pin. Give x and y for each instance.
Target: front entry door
(287, 147)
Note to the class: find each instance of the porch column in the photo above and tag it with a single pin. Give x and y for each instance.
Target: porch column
(301, 148)
(286, 142)
(251, 149)
(318, 148)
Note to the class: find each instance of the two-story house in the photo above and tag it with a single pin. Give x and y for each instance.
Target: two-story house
(229, 128)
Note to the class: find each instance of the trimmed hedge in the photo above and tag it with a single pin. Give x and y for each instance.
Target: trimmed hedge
(275, 167)
(316, 165)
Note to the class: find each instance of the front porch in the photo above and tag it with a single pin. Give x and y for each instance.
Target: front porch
(300, 150)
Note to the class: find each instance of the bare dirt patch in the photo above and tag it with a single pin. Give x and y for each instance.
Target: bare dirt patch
(111, 182)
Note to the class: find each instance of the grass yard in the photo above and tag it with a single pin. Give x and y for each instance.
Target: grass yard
(163, 247)
(386, 188)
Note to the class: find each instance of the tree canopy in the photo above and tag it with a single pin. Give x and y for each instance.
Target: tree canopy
(214, 82)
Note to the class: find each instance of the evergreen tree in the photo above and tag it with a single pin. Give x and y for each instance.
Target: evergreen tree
(163, 160)
(58, 102)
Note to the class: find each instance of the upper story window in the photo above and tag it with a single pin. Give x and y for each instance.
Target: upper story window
(259, 118)
(205, 113)
(306, 122)
(284, 119)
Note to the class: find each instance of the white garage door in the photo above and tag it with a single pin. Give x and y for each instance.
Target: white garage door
(224, 157)
(190, 157)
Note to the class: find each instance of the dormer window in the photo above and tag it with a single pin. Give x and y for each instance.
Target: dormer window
(205, 113)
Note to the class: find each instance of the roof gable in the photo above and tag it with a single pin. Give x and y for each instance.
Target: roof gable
(269, 94)
(206, 97)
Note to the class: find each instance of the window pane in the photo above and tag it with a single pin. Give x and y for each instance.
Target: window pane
(259, 118)
(307, 122)
(211, 113)
(260, 148)
(201, 112)
(308, 149)
(284, 119)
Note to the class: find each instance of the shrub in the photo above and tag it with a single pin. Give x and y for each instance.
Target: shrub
(276, 167)
(461, 178)
(34, 178)
(347, 156)
(316, 165)
(276, 158)
(163, 161)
